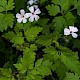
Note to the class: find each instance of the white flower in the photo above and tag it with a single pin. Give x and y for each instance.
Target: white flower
(71, 31)
(31, 2)
(34, 14)
(21, 17)
(35, 6)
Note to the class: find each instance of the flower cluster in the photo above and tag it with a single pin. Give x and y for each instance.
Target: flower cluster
(71, 31)
(32, 15)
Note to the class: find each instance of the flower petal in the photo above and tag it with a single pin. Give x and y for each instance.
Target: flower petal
(19, 20)
(36, 17)
(66, 31)
(18, 15)
(27, 15)
(73, 29)
(74, 35)
(24, 20)
(31, 19)
(30, 2)
(31, 9)
(37, 11)
(35, 6)
(22, 11)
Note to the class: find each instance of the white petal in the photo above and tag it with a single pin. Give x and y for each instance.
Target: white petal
(74, 35)
(27, 15)
(37, 11)
(22, 11)
(66, 31)
(30, 2)
(73, 29)
(18, 15)
(24, 20)
(36, 17)
(31, 19)
(31, 9)
(35, 1)
(19, 20)
(35, 6)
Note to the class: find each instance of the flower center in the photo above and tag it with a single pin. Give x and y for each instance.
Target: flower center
(33, 13)
(70, 31)
(22, 16)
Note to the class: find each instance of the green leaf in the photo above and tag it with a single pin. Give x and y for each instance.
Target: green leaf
(28, 58)
(14, 38)
(74, 3)
(64, 4)
(9, 35)
(4, 78)
(17, 40)
(10, 5)
(44, 69)
(50, 50)
(27, 61)
(60, 69)
(71, 64)
(31, 33)
(21, 68)
(53, 10)
(6, 5)
(71, 76)
(38, 63)
(3, 5)
(78, 10)
(46, 28)
(6, 20)
(59, 23)
(33, 47)
(41, 40)
(69, 18)
(34, 72)
(6, 72)
(51, 54)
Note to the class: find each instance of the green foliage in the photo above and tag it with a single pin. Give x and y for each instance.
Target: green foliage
(19, 4)
(10, 5)
(76, 43)
(31, 33)
(16, 39)
(6, 6)
(59, 23)
(64, 4)
(69, 19)
(71, 76)
(6, 74)
(6, 19)
(27, 61)
(41, 68)
(53, 9)
(42, 1)
(41, 49)
(63, 61)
